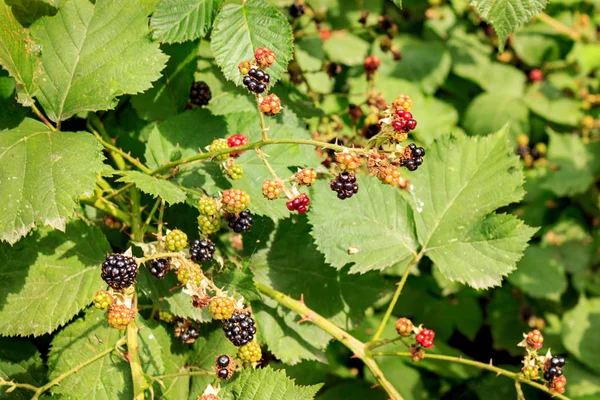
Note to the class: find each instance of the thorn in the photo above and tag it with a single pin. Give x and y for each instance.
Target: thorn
(127, 357)
(498, 374)
(491, 363)
(355, 356)
(305, 318)
(375, 385)
(302, 299)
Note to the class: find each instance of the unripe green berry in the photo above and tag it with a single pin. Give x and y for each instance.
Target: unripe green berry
(176, 240)
(219, 144)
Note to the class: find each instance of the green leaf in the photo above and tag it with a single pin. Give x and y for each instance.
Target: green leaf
(378, 221)
(266, 384)
(573, 160)
(170, 94)
(534, 48)
(354, 389)
(489, 112)
(336, 295)
(42, 175)
(398, 3)
(107, 378)
(503, 317)
(507, 15)
(92, 53)
(456, 191)
(154, 186)
(240, 282)
(580, 327)
(550, 103)
(240, 29)
(537, 262)
(181, 20)
(20, 361)
(28, 11)
(583, 381)
(290, 341)
(346, 48)
(18, 54)
(51, 276)
(285, 159)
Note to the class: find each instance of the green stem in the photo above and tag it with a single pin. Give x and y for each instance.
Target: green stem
(263, 158)
(355, 345)
(118, 158)
(136, 216)
(187, 373)
(42, 117)
(137, 374)
(151, 215)
(499, 371)
(559, 26)
(263, 125)
(107, 207)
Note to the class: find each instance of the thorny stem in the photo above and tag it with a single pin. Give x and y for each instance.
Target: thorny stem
(263, 158)
(107, 207)
(519, 389)
(499, 371)
(115, 149)
(42, 117)
(263, 125)
(355, 345)
(136, 216)
(559, 26)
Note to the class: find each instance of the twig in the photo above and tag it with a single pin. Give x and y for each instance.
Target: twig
(559, 26)
(42, 117)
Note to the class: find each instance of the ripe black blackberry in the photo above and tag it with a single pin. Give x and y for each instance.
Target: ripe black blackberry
(159, 267)
(241, 222)
(240, 328)
(202, 250)
(415, 158)
(119, 271)
(371, 130)
(558, 361)
(200, 94)
(223, 374)
(554, 368)
(223, 361)
(187, 333)
(257, 80)
(297, 10)
(345, 185)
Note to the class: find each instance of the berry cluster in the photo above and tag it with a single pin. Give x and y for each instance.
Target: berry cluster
(272, 188)
(257, 80)
(345, 185)
(119, 316)
(306, 176)
(239, 328)
(219, 145)
(270, 105)
(200, 94)
(209, 224)
(235, 200)
(189, 275)
(413, 158)
(237, 140)
(404, 121)
(297, 10)
(348, 160)
(102, 300)
(159, 267)
(558, 384)
(224, 366)
(264, 57)
(241, 222)
(554, 368)
(176, 240)
(299, 203)
(187, 332)
(234, 171)
(119, 271)
(202, 250)
(535, 339)
(250, 352)
(371, 64)
(221, 307)
(536, 75)
(404, 327)
(390, 175)
(425, 338)
(403, 102)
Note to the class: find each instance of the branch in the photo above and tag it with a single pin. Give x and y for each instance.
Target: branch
(499, 371)
(137, 374)
(42, 117)
(107, 207)
(263, 126)
(117, 157)
(355, 345)
(559, 26)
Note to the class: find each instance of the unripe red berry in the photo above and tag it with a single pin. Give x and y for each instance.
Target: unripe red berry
(425, 338)
(404, 327)
(536, 75)
(264, 56)
(535, 339)
(371, 63)
(237, 140)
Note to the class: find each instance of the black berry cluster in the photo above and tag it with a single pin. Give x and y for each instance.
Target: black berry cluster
(187, 333)
(202, 250)
(297, 10)
(415, 158)
(159, 267)
(345, 185)
(554, 368)
(241, 222)
(257, 80)
(223, 366)
(240, 328)
(119, 271)
(200, 94)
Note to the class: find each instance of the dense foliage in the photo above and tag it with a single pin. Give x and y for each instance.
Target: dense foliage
(288, 200)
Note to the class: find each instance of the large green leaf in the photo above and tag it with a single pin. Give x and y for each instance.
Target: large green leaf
(579, 332)
(170, 94)
(18, 54)
(490, 111)
(181, 20)
(460, 184)
(266, 384)
(346, 48)
(42, 174)
(50, 276)
(240, 29)
(550, 103)
(20, 361)
(507, 15)
(154, 186)
(107, 378)
(538, 262)
(378, 221)
(92, 53)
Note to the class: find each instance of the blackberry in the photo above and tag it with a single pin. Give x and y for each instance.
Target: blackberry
(119, 271)
(240, 328)
(257, 80)
(223, 360)
(120, 316)
(299, 203)
(202, 250)
(557, 361)
(187, 333)
(413, 157)
(250, 352)
(224, 366)
(200, 94)
(345, 185)
(159, 267)
(223, 374)
(297, 10)
(371, 130)
(241, 222)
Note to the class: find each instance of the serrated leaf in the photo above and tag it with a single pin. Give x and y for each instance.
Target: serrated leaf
(170, 94)
(42, 175)
(290, 341)
(18, 54)
(20, 361)
(336, 295)
(285, 159)
(154, 186)
(108, 378)
(579, 329)
(92, 53)
(537, 262)
(181, 20)
(240, 29)
(489, 112)
(50, 276)
(507, 15)
(266, 384)
(460, 184)
(240, 282)
(377, 221)
(550, 103)
(346, 48)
